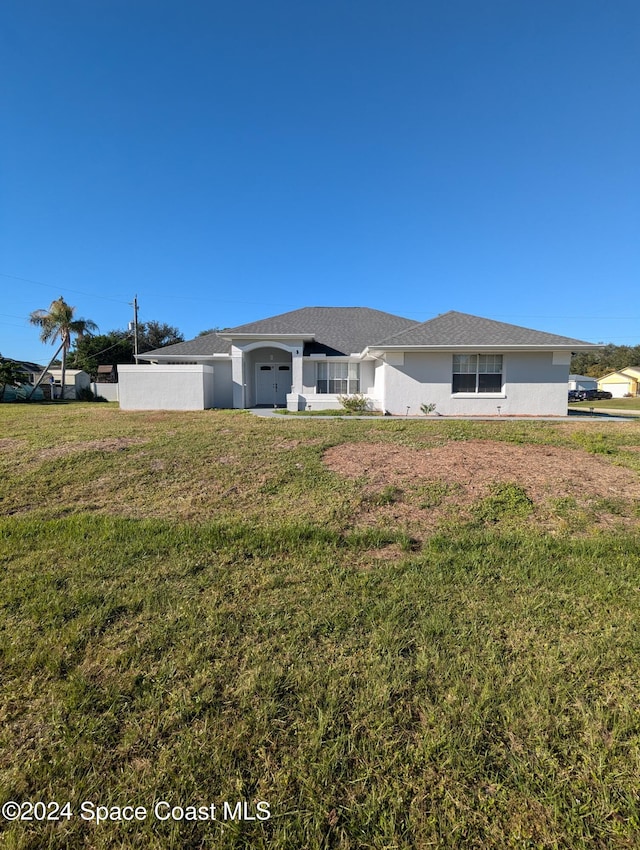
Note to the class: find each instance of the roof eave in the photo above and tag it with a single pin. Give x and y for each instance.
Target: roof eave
(375, 350)
(165, 357)
(305, 337)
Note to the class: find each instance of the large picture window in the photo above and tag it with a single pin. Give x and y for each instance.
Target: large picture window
(338, 378)
(477, 373)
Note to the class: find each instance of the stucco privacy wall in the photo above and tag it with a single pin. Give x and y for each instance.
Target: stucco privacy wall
(533, 385)
(159, 387)
(108, 391)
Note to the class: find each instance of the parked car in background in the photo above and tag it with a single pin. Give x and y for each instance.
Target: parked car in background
(591, 395)
(588, 395)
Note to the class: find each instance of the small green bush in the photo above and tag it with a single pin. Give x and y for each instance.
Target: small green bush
(427, 408)
(356, 403)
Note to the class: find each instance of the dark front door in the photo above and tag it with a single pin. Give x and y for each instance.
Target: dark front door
(273, 382)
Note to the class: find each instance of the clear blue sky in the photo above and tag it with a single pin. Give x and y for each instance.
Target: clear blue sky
(231, 160)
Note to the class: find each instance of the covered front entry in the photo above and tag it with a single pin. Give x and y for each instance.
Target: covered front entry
(273, 382)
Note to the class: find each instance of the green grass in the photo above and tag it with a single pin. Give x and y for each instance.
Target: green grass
(611, 403)
(201, 618)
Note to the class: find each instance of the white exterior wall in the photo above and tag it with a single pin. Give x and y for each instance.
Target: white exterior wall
(108, 391)
(166, 387)
(222, 384)
(532, 386)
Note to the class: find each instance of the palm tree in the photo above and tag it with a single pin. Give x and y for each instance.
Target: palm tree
(57, 323)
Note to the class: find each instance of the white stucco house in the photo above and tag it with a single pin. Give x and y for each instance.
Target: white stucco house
(307, 358)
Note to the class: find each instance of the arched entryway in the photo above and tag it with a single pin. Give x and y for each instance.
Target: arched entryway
(269, 374)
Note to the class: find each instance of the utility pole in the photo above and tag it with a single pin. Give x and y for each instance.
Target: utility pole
(135, 328)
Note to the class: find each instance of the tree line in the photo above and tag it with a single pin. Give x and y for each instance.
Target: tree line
(117, 346)
(610, 359)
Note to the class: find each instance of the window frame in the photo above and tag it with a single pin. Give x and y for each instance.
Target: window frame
(350, 380)
(492, 359)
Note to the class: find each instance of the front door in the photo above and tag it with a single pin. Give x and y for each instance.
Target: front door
(273, 382)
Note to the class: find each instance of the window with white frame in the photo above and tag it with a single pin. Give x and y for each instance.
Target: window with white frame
(338, 378)
(477, 373)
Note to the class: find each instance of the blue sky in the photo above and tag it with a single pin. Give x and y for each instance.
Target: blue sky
(228, 161)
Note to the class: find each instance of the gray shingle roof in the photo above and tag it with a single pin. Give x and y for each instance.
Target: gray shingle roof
(337, 331)
(346, 330)
(452, 329)
(201, 346)
(26, 364)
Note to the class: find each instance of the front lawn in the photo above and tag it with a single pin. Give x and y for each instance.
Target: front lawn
(612, 403)
(210, 608)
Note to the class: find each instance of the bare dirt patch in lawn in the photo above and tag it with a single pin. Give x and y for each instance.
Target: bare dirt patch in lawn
(465, 472)
(109, 444)
(391, 552)
(476, 464)
(9, 444)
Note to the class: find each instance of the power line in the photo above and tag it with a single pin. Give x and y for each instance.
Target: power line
(271, 304)
(63, 288)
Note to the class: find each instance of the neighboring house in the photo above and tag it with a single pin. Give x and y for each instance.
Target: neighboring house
(307, 358)
(582, 382)
(624, 382)
(31, 370)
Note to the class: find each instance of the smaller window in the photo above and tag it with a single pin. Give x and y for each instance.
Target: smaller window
(338, 378)
(283, 368)
(265, 368)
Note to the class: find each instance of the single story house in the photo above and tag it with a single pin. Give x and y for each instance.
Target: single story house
(624, 382)
(308, 358)
(582, 382)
